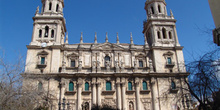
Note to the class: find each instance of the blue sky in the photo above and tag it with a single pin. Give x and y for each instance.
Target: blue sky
(112, 16)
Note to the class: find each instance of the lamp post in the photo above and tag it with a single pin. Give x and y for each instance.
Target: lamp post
(68, 105)
(64, 103)
(59, 105)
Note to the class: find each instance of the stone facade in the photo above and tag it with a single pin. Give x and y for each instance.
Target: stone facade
(126, 76)
(214, 6)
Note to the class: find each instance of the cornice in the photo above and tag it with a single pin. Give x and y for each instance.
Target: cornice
(70, 75)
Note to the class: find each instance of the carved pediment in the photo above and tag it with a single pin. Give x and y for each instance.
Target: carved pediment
(107, 46)
(168, 53)
(140, 55)
(73, 54)
(42, 53)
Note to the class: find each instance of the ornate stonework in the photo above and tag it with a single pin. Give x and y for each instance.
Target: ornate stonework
(122, 75)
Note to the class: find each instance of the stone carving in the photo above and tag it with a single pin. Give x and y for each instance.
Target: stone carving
(37, 10)
(93, 66)
(111, 102)
(107, 65)
(135, 65)
(116, 64)
(131, 105)
(122, 65)
(63, 62)
(151, 66)
(147, 103)
(80, 63)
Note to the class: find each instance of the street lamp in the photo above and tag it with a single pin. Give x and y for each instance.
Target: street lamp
(59, 105)
(64, 103)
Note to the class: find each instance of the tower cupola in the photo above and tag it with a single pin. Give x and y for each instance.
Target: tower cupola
(52, 6)
(155, 7)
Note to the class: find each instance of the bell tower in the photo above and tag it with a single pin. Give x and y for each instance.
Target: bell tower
(49, 24)
(159, 29)
(161, 37)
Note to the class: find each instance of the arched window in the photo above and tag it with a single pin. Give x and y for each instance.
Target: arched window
(40, 33)
(86, 86)
(50, 6)
(129, 86)
(158, 35)
(131, 105)
(170, 35)
(46, 31)
(108, 86)
(57, 8)
(144, 85)
(71, 86)
(152, 9)
(52, 33)
(40, 86)
(107, 60)
(173, 85)
(159, 9)
(164, 33)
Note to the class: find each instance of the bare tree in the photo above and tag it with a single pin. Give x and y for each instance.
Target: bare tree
(203, 81)
(12, 95)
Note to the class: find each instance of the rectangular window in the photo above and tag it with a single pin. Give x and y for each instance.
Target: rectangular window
(42, 60)
(141, 64)
(73, 64)
(169, 61)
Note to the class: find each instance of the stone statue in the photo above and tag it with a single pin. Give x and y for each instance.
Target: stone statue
(107, 64)
(37, 10)
(151, 65)
(98, 64)
(116, 64)
(94, 64)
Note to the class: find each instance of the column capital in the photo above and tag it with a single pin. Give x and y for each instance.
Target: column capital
(98, 83)
(118, 83)
(79, 83)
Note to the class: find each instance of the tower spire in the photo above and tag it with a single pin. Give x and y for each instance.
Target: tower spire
(95, 41)
(106, 38)
(171, 13)
(117, 38)
(131, 39)
(66, 42)
(81, 38)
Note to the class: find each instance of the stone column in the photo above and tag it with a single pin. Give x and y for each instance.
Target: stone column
(123, 96)
(79, 91)
(94, 93)
(137, 93)
(118, 84)
(99, 94)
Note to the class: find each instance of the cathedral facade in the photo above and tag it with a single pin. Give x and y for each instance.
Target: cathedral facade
(124, 76)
